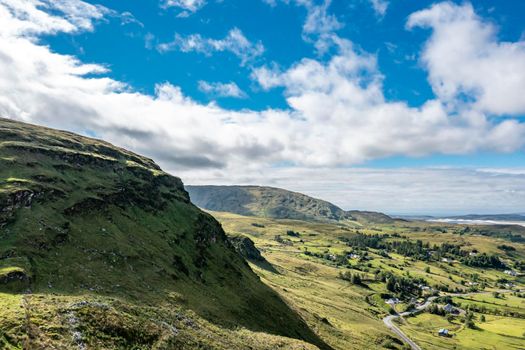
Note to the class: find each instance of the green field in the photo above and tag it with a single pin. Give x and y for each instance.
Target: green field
(349, 316)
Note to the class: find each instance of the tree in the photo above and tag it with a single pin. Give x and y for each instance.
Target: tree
(469, 320)
(427, 269)
(356, 279)
(391, 284)
(482, 318)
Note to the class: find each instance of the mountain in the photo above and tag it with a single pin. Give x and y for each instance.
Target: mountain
(265, 202)
(370, 217)
(100, 248)
(274, 203)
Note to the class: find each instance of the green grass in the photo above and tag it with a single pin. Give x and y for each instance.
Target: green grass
(88, 222)
(110, 252)
(348, 316)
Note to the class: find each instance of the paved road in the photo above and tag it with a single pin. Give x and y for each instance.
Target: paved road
(388, 322)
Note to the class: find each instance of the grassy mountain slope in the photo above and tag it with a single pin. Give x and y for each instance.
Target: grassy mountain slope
(99, 248)
(275, 203)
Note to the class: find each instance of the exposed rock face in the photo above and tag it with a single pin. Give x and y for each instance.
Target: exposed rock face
(246, 248)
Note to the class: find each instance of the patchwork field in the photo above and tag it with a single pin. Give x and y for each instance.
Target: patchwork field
(304, 266)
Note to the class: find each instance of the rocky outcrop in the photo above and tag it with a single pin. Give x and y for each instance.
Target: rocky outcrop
(246, 248)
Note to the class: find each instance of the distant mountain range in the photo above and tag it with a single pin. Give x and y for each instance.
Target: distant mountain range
(275, 203)
(476, 217)
(495, 217)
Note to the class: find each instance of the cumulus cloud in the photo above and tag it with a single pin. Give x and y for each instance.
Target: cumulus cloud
(467, 64)
(337, 114)
(33, 17)
(344, 99)
(380, 7)
(234, 42)
(188, 6)
(221, 89)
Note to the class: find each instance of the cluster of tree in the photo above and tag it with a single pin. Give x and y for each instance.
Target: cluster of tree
(400, 285)
(354, 278)
(422, 251)
(508, 235)
(497, 311)
(292, 233)
(362, 241)
(417, 250)
(519, 265)
(484, 260)
(507, 248)
(281, 240)
(469, 320)
(436, 310)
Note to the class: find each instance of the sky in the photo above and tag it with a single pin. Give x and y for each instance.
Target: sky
(405, 107)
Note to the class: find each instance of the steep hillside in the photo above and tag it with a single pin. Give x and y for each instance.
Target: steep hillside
(265, 202)
(99, 248)
(275, 203)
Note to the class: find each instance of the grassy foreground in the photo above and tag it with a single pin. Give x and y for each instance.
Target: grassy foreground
(101, 249)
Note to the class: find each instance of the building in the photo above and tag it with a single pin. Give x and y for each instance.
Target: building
(443, 332)
(450, 309)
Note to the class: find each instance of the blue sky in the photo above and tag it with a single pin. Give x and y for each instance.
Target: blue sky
(129, 51)
(228, 91)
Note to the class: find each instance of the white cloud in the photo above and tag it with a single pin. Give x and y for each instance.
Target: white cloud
(318, 21)
(415, 191)
(221, 89)
(189, 6)
(467, 64)
(32, 17)
(380, 7)
(337, 112)
(344, 103)
(234, 42)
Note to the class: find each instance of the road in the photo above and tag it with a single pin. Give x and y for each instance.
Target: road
(388, 322)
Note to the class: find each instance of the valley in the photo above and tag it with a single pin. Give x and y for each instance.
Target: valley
(314, 265)
(101, 249)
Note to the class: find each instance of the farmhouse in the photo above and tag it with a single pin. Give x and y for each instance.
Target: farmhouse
(443, 332)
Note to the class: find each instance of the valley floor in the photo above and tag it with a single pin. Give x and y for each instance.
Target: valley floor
(349, 316)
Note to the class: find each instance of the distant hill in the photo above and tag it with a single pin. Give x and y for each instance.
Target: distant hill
(274, 203)
(494, 217)
(371, 217)
(99, 242)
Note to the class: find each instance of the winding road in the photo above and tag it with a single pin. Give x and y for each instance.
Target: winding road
(388, 322)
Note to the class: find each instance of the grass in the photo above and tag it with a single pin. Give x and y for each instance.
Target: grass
(113, 255)
(348, 316)
(93, 224)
